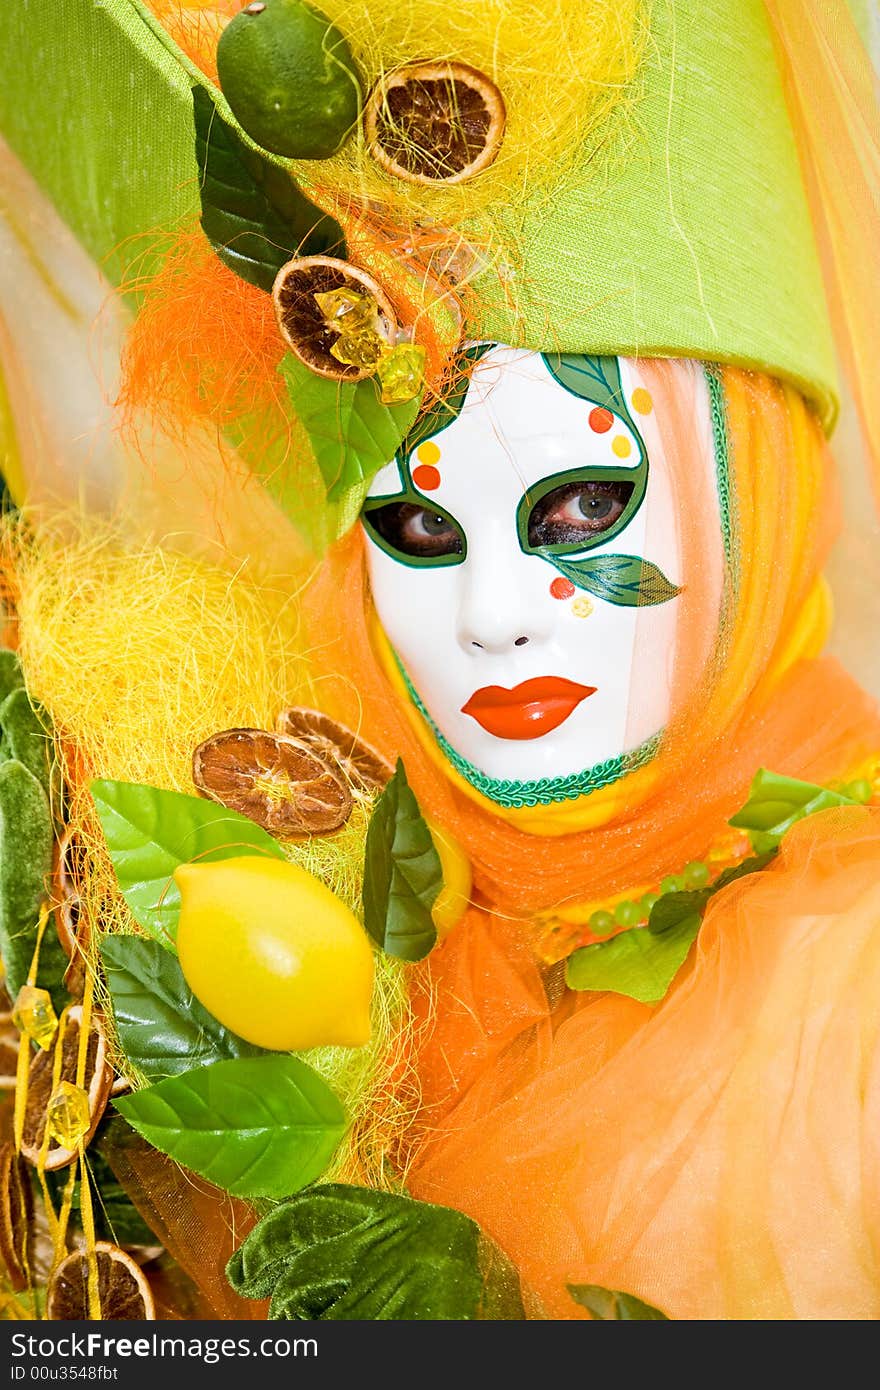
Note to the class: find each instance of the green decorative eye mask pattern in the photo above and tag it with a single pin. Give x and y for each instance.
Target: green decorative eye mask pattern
(422, 534)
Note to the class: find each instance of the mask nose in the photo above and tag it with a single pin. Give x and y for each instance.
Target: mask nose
(503, 605)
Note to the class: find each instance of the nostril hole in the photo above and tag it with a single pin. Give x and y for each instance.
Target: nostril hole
(520, 641)
(477, 644)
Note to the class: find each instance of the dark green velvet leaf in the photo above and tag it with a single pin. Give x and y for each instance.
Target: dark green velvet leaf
(10, 673)
(256, 1126)
(609, 1306)
(253, 213)
(338, 1253)
(352, 434)
(402, 874)
(673, 908)
(26, 842)
(621, 579)
(25, 730)
(162, 1027)
(776, 803)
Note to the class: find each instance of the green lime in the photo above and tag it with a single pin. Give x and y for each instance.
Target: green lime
(290, 79)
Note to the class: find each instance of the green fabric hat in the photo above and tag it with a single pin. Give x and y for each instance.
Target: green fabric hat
(700, 246)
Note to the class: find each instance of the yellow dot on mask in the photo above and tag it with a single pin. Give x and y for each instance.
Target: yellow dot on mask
(582, 607)
(641, 401)
(621, 446)
(429, 452)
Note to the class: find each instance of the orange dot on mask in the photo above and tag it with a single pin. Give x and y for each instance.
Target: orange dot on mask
(426, 478)
(562, 588)
(601, 420)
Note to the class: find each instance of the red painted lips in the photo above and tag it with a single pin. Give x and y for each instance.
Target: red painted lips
(529, 710)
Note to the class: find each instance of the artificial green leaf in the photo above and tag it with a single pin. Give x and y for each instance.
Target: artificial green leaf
(776, 803)
(402, 873)
(338, 1253)
(149, 832)
(674, 908)
(253, 213)
(11, 677)
(621, 579)
(255, 1126)
(161, 1026)
(25, 735)
(26, 843)
(352, 434)
(609, 1306)
(637, 963)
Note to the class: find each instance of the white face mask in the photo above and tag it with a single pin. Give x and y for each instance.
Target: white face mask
(506, 558)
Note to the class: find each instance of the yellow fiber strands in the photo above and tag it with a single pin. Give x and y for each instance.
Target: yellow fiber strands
(563, 68)
(139, 654)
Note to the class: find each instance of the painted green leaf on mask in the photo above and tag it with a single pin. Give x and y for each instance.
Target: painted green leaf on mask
(624, 580)
(352, 434)
(595, 379)
(253, 213)
(255, 1126)
(444, 410)
(161, 1026)
(606, 1305)
(776, 803)
(150, 832)
(341, 1253)
(402, 874)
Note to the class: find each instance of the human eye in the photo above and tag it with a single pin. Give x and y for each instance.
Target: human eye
(415, 532)
(577, 511)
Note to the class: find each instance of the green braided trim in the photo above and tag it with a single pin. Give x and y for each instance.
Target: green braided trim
(546, 789)
(721, 440)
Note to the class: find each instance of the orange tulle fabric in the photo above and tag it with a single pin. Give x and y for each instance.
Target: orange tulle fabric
(744, 709)
(717, 1156)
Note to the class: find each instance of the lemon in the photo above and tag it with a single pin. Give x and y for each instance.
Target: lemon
(453, 899)
(290, 79)
(273, 954)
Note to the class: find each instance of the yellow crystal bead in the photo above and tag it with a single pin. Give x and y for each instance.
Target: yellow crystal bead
(67, 1115)
(345, 309)
(34, 1014)
(363, 348)
(401, 373)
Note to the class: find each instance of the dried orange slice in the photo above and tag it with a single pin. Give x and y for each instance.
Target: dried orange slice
(16, 1214)
(5, 1007)
(302, 324)
(123, 1290)
(435, 122)
(97, 1081)
(362, 765)
(279, 782)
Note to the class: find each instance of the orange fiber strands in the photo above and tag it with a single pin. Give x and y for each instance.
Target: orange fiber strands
(204, 346)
